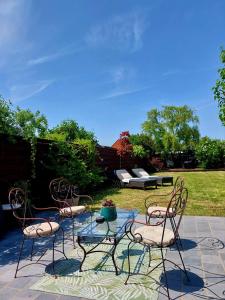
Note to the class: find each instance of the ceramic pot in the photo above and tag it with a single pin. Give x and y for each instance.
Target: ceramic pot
(109, 213)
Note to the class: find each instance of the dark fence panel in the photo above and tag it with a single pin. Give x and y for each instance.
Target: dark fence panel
(15, 165)
(14, 159)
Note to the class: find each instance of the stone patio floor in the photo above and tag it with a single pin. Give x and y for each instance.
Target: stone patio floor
(203, 239)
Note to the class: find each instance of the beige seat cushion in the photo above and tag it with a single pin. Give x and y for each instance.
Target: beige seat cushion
(152, 235)
(154, 211)
(66, 211)
(41, 229)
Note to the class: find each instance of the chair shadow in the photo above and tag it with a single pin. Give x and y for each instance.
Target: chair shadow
(63, 267)
(187, 244)
(175, 277)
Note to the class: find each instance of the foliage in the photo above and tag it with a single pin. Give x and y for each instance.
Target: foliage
(71, 161)
(139, 151)
(219, 89)
(30, 125)
(71, 131)
(172, 129)
(108, 203)
(211, 153)
(123, 144)
(143, 145)
(73, 154)
(7, 121)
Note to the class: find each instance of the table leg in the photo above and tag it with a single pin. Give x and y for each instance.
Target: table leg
(85, 253)
(113, 255)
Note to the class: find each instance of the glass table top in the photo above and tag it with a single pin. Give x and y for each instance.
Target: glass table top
(110, 229)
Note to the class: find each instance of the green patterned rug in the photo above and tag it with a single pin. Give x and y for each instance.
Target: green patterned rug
(98, 280)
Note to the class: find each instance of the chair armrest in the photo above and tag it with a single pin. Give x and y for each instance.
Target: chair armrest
(46, 208)
(32, 219)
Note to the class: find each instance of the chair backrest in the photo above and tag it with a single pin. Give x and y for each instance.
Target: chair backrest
(123, 174)
(140, 172)
(61, 190)
(19, 204)
(178, 204)
(178, 185)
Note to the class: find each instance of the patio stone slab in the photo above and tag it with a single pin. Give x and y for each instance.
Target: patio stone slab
(203, 241)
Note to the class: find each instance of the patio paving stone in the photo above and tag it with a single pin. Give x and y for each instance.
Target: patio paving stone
(204, 255)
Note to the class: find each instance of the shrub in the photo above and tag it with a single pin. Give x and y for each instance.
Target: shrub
(76, 162)
(211, 153)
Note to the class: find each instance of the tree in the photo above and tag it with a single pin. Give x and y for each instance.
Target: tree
(143, 145)
(7, 120)
(69, 131)
(153, 127)
(174, 128)
(30, 125)
(219, 89)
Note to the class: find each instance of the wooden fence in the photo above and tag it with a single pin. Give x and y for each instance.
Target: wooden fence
(15, 164)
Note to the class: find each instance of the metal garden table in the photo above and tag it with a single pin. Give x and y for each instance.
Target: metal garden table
(106, 233)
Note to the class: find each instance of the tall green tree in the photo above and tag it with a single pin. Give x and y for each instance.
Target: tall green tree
(30, 125)
(69, 131)
(219, 89)
(174, 128)
(7, 120)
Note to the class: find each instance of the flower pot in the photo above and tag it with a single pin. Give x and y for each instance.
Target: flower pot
(109, 213)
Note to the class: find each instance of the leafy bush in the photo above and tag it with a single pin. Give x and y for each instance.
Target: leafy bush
(139, 151)
(73, 162)
(211, 153)
(73, 154)
(143, 145)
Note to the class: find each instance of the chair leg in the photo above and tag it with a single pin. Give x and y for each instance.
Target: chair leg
(149, 257)
(32, 250)
(164, 269)
(53, 256)
(63, 243)
(73, 230)
(19, 257)
(128, 258)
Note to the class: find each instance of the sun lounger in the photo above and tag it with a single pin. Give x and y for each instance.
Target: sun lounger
(141, 173)
(127, 180)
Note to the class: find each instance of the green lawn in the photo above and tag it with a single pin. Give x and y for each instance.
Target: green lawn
(206, 194)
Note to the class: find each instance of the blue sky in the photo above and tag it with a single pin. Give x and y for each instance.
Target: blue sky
(106, 63)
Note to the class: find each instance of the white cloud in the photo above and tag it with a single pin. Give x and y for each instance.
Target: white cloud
(122, 32)
(123, 91)
(60, 53)
(25, 91)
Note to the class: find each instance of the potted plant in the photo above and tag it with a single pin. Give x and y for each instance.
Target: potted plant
(108, 210)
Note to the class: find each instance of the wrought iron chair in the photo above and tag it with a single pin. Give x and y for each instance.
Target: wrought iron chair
(33, 228)
(154, 234)
(152, 208)
(67, 199)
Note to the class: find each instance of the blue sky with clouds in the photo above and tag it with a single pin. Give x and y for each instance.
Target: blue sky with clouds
(106, 63)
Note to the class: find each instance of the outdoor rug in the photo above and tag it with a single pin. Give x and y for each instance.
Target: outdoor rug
(98, 279)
